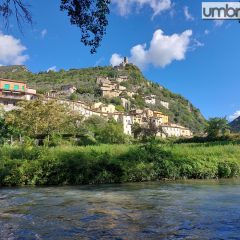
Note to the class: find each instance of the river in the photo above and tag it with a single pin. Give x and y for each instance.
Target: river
(177, 210)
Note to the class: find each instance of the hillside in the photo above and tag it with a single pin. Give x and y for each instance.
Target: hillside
(235, 125)
(180, 110)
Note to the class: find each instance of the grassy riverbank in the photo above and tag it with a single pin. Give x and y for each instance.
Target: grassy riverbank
(116, 163)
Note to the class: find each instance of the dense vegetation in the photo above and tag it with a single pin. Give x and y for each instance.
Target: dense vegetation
(51, 124)
(181, 111)
(27, 165)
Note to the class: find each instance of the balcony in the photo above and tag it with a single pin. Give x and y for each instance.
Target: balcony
(12, 96)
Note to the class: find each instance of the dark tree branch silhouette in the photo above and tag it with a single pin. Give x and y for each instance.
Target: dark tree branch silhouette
(17, 8)
(90, 16)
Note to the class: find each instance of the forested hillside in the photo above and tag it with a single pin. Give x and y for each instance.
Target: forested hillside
(180, 110)
(235, 125)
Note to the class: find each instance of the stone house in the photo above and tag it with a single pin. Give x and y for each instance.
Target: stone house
(122, 79)
(125, 103)
(68, 89)
(110, 108)
(151, 99)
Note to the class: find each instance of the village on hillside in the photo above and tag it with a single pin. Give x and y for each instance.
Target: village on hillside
(13, 91)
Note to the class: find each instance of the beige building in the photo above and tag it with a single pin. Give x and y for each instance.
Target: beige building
(107, 108)
(12, 91)
(148, 112)
(174, 130)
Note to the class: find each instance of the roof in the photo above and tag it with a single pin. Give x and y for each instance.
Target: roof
(11, 80)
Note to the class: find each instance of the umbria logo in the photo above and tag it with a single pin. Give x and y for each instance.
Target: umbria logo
(221, 10)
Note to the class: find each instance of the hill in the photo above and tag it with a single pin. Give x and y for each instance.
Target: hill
(180, 111)
(235, 125)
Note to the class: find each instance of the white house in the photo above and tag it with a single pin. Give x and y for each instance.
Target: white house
(151, 99)
(164, 104)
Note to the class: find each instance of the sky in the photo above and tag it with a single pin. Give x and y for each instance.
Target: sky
(166, 39)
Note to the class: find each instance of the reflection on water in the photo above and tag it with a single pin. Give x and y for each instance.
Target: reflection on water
(190, 210)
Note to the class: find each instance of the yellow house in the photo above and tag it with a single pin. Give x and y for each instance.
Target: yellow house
(12, 85)
(12, 91)
(164, 117)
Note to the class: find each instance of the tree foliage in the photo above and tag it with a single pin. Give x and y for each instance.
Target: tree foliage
(17, 8)
(91, 17)
(43, 118)
(217, 127)
(112, 132)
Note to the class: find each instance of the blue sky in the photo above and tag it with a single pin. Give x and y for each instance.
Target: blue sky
(167, 39)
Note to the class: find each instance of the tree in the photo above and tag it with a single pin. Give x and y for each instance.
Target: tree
(147, 131)
(43, 118)
(217, 127)
(94, 124)
(112, 133)
(90, 16)
(137, 130)
(16, 7)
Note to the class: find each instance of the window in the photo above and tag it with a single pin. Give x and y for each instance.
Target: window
(23, 88)
(6, 86)
(16, 87)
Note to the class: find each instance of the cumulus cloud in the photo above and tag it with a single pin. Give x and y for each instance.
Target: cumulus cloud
(43, 33)
(187, 14)
(53, 68)
(126, 6)
(162, 51)
(116, 59)
(11, 51)
(234, 115)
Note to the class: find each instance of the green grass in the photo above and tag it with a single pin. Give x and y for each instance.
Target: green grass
(116, 163)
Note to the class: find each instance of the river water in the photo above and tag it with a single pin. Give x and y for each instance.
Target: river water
(179, 210)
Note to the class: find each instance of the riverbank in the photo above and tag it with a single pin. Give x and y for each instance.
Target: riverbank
(69, 165)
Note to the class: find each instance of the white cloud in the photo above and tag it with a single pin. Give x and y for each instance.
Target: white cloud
(162, 51)
(187, 14)
(158, 6)
(218, 23)
(116, 59)
(43, 33)
(196, 43)
(53, 68)
(11, 51)
(234, 116)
